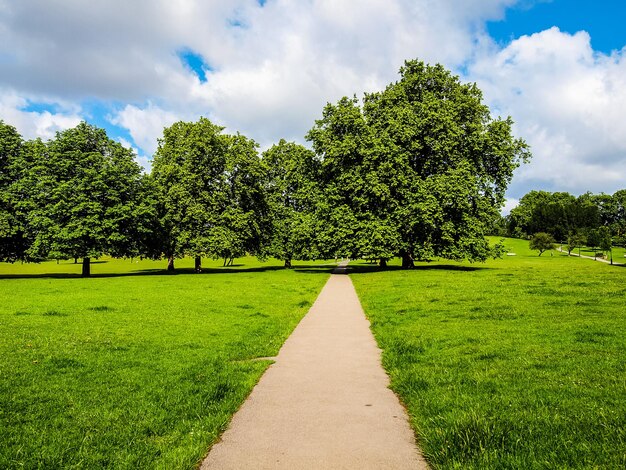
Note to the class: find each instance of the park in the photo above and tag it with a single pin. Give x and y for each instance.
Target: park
(139, 311)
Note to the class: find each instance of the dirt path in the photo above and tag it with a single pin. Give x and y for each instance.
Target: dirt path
(324, 404)
(602, 260)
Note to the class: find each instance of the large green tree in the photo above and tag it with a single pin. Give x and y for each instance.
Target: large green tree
(620, 226)
(13, 237)
(242, 224)
(186, 170)
(417, 170)
(292, 192)
(210, 195)
(83, 189)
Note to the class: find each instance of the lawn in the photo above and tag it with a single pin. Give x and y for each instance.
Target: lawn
(618, 253)
(135, 368)
(515, 363)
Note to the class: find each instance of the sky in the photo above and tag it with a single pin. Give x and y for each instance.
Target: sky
(266, 68)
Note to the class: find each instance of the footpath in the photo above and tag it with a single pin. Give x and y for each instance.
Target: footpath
(602, 260)
(325, 402)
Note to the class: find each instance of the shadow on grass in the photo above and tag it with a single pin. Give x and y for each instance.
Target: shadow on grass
(238, 268)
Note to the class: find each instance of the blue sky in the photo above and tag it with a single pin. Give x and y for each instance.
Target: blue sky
(603, 20)
(266, 69)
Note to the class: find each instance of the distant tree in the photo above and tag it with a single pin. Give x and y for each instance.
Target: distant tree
(605, 241)
(187, 170)
(608, 210)
(13, 239)
(619, 230)
(574, 240)
(292, 192)
(83, 187)
(542, 211)
(586, 213)
(498, 226)
(210, 198)
(242, 213)
(419, 170)
(541, 242)
(594, 240)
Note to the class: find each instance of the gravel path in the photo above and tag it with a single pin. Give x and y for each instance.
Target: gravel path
(324, 403)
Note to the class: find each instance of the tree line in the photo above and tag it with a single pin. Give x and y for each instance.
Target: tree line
(416, 170)
(594, 220)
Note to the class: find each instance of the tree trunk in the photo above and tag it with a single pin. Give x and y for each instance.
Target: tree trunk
(170, 263)
(198, 264)
(407, 260)
(383, 263)
(86, 267)
(75, 260)
(288, 263)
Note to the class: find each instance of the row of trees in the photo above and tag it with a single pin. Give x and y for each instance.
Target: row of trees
(595, 220)
(416, 170)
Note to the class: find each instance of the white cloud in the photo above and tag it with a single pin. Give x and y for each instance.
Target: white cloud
(569, 102)
(509, 204)
(145, 125)
(33, 124)
(271, 76)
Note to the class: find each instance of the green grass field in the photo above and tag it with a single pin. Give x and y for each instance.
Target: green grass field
(516, 363)
(618, 253)
(130, 370)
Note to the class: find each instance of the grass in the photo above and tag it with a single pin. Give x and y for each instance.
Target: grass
(126, 370)
(516, 363)
(618, 253)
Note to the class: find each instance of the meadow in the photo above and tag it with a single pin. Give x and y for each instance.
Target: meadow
(135, 368)
(516, 363)
(519, 362)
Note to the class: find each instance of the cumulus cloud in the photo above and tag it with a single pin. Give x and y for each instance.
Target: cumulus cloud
(33, 124)
(509, 204)
(271, 68)
(569, 103)
(145, 124)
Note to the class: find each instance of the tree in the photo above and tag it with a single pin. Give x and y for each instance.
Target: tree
(242, 213)
(418, 170)
(210, 195)
(619, 198)
(605, 241)
(541, 241)
(594, 240)
(82, 187)
(13, 241)
(292, 193)
(574, 240)
(186, 170)
(542, 211)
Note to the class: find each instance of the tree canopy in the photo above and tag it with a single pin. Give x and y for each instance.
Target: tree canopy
(541, 242)
(82, 187)
(292, 194)
(563, 215)
(417, 170)
(13, 243)
(210, 194)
